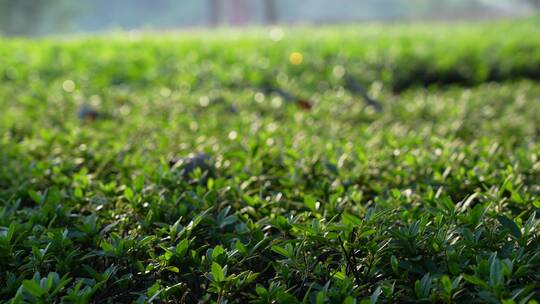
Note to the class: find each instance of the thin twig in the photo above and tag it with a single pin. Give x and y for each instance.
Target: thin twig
(350, 264)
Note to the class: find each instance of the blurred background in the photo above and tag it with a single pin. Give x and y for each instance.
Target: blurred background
(46, 17)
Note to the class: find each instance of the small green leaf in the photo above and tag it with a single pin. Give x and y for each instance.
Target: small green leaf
(35, 196)
(217, 272)
(260, 290)
(446, 284)
(152, 290)
(339, 275)
(474, 280)
(495, 272)
(173, 269)
(217, 252)
(281, 251)
(418, 289)
(320, 298)
(426, 285)
(241, 248)
(181, 248)
(509, 225)
(227, 221)
(78, 193)
(128, 194)
(286, 298)
(310, 202)
(350, 220)
(367, 233)
(349, 300)
(33, 288)
(139, 183)
(10, 232)
(37, 254)
(394, 263)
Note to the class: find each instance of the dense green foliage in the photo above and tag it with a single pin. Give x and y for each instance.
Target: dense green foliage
(397, 56)
(35, 17)
(432, 199)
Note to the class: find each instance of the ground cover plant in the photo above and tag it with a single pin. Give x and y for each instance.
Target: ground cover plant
(241, 167)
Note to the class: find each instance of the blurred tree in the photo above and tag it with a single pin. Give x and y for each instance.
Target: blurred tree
(446, 8)
(34, 17)
(240, 12)
(99, 15)
(37, 17)
(270, 11)
(535, 3)
(215, 12)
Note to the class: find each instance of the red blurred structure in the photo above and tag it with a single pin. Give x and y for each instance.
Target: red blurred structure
(240, 12)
